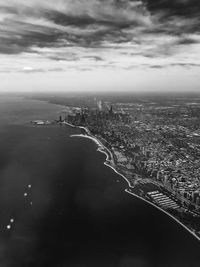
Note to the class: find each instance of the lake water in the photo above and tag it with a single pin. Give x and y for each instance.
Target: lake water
(61, 206)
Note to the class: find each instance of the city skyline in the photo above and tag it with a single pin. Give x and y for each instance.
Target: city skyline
(99, 45)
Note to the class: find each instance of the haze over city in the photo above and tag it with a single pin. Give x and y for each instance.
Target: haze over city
(104, 45)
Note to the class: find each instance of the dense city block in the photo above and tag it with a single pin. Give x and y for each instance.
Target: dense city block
(156, 146)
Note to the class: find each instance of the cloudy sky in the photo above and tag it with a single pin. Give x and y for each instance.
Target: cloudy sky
(99, 44)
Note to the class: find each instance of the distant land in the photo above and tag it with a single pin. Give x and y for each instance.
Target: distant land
(154, 142)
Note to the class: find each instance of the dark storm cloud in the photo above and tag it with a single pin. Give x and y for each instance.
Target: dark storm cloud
(175, 16)
(185, 8)
(187, 41)
(150, 28)
(17, 36)
(84, 23)
(86, 20)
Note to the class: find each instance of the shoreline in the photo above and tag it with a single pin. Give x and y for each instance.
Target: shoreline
(103, 149)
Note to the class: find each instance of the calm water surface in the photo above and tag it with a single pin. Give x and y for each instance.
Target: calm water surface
(60, 206)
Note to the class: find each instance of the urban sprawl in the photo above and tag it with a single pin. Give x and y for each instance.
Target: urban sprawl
(155, 146)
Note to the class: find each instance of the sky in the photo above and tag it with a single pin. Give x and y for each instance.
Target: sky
(66, 45)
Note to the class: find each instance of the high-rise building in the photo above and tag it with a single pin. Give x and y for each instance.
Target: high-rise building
(99, 105)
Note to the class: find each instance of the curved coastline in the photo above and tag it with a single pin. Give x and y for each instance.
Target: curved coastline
(103, 149)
